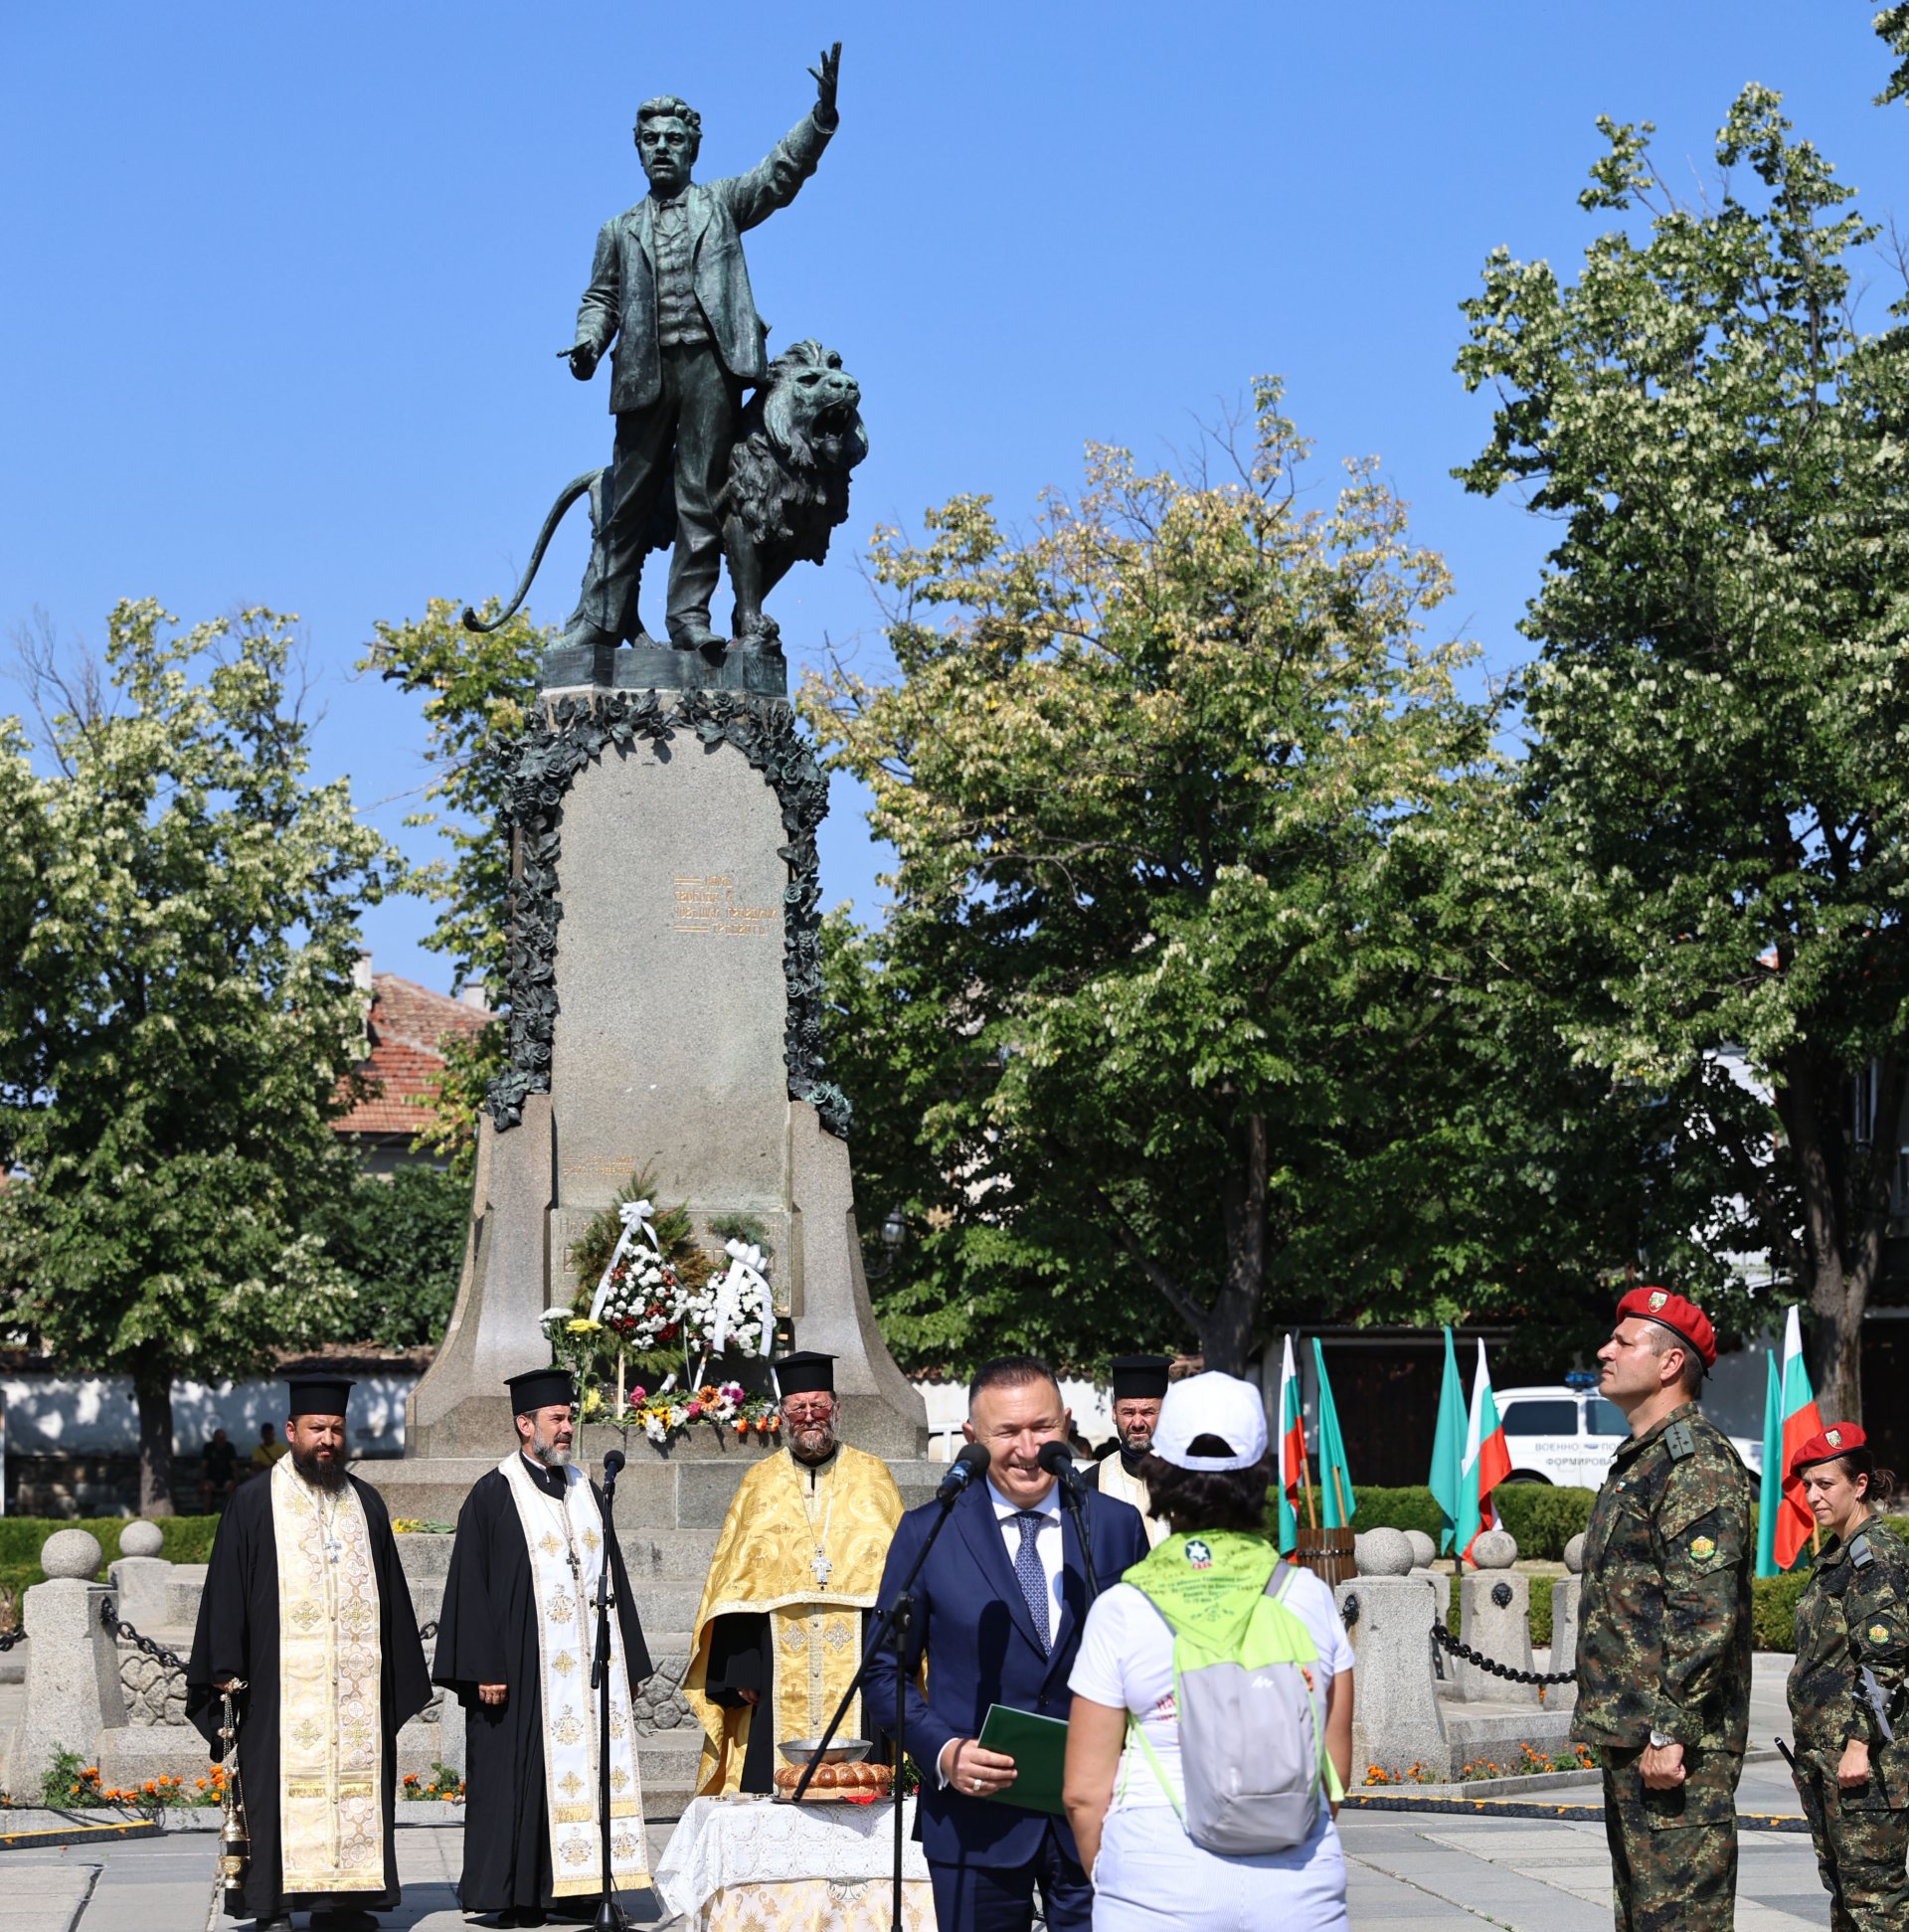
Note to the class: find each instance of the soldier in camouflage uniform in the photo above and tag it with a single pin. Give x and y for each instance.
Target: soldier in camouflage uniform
(1846, 1687)
(1663, 1626)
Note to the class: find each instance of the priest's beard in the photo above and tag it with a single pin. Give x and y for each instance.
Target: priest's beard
(814, 1443)
(320, 1475)
(540, 1449)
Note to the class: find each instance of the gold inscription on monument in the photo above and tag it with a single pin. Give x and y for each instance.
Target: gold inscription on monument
(710, 904)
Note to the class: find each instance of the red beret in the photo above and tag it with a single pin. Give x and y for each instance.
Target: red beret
(1684, 1319)
(1832, 1441)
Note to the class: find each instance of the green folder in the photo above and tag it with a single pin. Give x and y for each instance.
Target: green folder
(1037, 1745)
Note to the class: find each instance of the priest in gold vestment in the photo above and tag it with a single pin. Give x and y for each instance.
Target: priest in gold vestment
(779, 1634)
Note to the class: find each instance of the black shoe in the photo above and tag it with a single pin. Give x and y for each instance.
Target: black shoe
(283, 1923)
(591, 635)
(697, 636)
(344, 1918)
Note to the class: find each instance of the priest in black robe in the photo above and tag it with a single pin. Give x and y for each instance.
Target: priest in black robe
(1139, 1387)
(305, 1605)
(488, 1656)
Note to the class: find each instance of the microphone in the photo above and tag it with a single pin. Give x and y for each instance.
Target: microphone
(1058, 1460)
(970, 1463)
(614, 1459)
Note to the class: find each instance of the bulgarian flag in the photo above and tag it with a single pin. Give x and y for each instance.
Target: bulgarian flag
(1801, 1421)
(1291, 1450)
(1486, 1462)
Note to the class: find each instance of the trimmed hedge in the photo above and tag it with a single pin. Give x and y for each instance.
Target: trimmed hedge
(1542, 1518)
(186, 1539)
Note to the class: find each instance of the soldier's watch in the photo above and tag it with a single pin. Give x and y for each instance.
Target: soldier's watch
(1658, 1739)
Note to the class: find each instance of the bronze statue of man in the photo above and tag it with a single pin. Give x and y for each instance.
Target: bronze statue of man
(669, 286)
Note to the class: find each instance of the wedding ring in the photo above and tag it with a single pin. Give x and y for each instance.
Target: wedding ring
(977, 1784)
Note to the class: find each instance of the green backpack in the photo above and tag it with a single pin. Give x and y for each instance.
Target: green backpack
(1252, 1724)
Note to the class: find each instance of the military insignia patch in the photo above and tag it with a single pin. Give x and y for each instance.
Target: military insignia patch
(1658, 1300)
(1702, 1548)
(1878, 1633)
(1833, 1436)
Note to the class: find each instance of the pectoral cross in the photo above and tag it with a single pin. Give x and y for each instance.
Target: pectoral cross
(575, 1568)
(822, 1566)
(333, 1549)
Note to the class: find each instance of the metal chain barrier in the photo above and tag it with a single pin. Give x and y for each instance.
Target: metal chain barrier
(114, 1627)
(8, 1637)
(428, 1633)
(1442, 1638)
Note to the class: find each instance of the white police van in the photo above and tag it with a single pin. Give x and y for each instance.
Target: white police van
(1567, 1433)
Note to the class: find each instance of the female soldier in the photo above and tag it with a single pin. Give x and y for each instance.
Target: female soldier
(1847, 1685)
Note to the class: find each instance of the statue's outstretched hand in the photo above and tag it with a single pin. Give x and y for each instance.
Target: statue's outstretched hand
(582, 362)
(826, 77)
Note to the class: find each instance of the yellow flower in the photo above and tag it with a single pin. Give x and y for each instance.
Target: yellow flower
(592, 1401)
(582, 1325)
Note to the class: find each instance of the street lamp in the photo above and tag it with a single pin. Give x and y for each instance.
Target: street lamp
(893, 1233)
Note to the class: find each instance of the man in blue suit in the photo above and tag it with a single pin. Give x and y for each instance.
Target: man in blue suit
(997, 1612)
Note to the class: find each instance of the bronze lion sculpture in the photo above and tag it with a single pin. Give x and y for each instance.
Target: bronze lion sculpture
(788, 487)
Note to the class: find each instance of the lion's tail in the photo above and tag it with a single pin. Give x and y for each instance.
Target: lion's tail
(571, 492)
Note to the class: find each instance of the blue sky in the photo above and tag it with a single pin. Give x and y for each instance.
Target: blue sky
(285, 283)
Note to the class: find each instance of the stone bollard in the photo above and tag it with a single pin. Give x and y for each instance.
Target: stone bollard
(1494, 1618)
(1388, 1616)
(1564, 1624)
(73, 1662)
(1425, 1559)
(143, 1577)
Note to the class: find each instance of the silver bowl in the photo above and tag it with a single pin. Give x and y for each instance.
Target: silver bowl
(843, 1750)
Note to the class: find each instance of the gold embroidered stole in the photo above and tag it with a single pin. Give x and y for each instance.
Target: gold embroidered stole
(1116, 1484)
(765, 1564)
(331, 1732)
(566, 1564)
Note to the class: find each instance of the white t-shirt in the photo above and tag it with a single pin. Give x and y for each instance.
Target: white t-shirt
(1125, 1661)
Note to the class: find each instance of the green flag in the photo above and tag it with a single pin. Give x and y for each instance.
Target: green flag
(1446, 1480)
(1336, 1474)
(1769, 1489)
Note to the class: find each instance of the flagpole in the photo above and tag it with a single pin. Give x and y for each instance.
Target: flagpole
(1305, 1483)
(1338, 1490)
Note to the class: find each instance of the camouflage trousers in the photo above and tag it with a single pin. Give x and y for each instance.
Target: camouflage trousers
(1860, 1851)
(1673, 1853)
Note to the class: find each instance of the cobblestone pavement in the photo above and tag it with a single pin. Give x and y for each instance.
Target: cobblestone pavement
(1411, 1875)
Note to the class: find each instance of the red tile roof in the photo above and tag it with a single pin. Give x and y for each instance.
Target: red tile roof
(408, 1025)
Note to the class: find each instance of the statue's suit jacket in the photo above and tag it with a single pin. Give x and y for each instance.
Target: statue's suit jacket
(972, 1623)
(620, 302)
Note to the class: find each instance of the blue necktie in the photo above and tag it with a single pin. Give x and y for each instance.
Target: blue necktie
(1033, 1579)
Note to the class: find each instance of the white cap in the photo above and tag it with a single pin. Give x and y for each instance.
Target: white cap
(1211, 1405)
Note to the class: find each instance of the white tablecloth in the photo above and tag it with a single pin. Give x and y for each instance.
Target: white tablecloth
(726, 1841)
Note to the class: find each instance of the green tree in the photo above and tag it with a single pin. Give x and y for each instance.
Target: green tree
(399, 1239)
(475, 684)
(1715, 802)
(1162, 1025)
(178, 924)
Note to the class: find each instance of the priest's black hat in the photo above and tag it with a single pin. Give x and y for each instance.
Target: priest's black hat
(805, 1373)
(540, 1388)
(1139, 1378)
(317, 1394)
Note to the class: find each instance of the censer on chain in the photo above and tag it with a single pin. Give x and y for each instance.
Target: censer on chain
(235, 1839)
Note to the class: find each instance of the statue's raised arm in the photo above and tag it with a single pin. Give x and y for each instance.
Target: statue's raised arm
(826, 77)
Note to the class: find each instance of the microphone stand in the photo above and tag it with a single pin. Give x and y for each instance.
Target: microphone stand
(1074, 1495)
(893, 1630)
(610, 1916)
